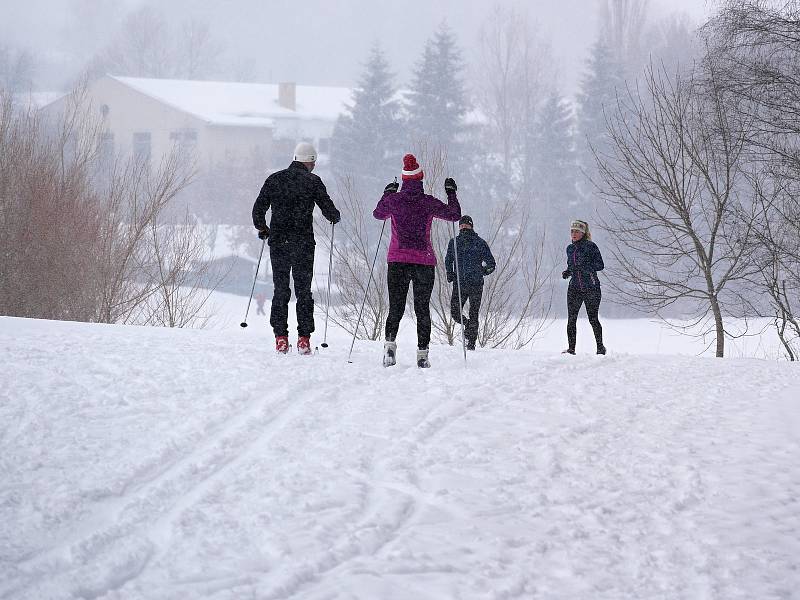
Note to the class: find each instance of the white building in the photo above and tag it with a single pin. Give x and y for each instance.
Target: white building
(215, 120)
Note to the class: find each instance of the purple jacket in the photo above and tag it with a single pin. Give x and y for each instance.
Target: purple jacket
(412, 212)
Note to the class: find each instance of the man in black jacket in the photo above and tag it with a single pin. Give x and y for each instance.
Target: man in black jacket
(292, 194)
(475, 261)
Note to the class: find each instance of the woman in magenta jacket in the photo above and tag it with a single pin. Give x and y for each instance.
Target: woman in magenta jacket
(411, 258)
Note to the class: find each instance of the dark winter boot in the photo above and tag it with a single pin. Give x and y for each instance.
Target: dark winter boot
(470, 344)
(422, 358)
(304, 344)
(282, 343)
(389, 354)
(601, 349)
(569, 351)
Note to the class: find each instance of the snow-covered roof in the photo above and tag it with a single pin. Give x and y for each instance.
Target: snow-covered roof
(37, 99)
(242, 104)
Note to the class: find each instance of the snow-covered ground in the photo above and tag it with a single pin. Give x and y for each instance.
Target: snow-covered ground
(156, 463)
(634, 336)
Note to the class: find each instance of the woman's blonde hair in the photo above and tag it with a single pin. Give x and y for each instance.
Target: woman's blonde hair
(582, 226)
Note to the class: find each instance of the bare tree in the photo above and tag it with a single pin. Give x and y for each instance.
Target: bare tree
(136, 197)
(513, 80)
(674, 43)
(143, 47)
(675, 181)
(146, 46)
(516, 305)
(513, 310)
(197, 50)
(754, 45)
(354, 251)
(622, 26)
(89, 24)
(48, 214)
(17, 69)
(776, 252)
(79, 244)
(182, 281)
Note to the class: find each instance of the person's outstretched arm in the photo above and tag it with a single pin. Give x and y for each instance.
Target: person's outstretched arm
(383, 210)
(323, 200)
(452, 210)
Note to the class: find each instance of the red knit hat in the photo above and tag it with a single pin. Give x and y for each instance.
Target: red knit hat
(411, 169)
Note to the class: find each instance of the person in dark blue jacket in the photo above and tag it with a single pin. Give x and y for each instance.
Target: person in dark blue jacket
(475, 261)
(583, 263)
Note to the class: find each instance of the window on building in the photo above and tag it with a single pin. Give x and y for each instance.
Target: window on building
(141, 147)
(184, 139)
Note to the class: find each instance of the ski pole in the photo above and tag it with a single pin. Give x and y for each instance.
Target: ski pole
(330, 271)
(361, 312)
(258, 266)
(458, 285)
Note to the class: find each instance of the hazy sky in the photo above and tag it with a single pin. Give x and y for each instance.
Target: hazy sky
(315, 41)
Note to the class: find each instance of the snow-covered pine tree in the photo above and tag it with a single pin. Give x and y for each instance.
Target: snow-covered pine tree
(437, 102)
(367, 139)
(553, 173)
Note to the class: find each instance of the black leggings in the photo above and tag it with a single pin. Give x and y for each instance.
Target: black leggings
(473, 295)
(575, 298)
(398, 278)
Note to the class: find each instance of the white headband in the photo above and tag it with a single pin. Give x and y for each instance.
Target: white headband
(578, 226)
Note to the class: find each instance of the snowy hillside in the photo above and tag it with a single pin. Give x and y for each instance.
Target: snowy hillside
(155, 463)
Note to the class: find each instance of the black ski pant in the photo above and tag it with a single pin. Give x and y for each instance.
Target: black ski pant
(399, 276)
(473, 295)
(298, 260)
(575, 298)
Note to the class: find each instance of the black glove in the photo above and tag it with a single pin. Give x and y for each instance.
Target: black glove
(450, 185)
(450, 277)
(391, 188)
(565, 274)
(336, 219)
(263, 233)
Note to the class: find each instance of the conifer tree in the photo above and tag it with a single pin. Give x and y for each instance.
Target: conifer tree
(367, 139)
(437, 102)
(598, 94)
(554, 172)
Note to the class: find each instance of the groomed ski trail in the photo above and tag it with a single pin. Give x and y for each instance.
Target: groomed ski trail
(145, 463)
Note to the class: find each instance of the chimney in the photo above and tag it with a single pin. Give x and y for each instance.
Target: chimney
(287, 95)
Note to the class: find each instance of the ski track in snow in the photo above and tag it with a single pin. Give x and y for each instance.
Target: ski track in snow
(146, 463)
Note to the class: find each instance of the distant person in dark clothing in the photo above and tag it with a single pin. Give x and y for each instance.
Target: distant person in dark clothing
(583, 263)
(411, 258)
(292, 194)
(475, 261)
(261, 297)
